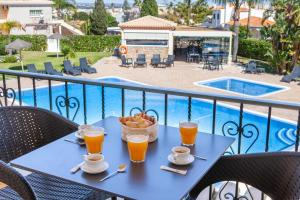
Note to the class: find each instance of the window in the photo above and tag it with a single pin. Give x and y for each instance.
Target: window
(35, 13)
(147, 42)
(218, 16)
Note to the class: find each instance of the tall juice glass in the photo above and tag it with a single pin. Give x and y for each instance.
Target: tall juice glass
(188, 132)
(94, 140)
(137, 147)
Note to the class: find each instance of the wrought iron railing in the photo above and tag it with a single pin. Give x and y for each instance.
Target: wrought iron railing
(69, 106)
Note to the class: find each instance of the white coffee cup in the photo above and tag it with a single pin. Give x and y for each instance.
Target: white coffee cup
(180, 154)
(94, 160)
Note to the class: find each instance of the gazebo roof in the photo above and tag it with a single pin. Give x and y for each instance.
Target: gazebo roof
(149, 23)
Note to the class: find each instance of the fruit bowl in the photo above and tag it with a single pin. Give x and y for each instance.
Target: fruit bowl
(139, 124)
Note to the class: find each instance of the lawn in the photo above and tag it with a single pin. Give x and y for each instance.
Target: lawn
(38, 58)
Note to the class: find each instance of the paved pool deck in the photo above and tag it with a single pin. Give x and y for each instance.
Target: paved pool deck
(183, 75)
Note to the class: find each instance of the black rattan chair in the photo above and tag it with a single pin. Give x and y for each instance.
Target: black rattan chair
(277, 174)
(24, 129)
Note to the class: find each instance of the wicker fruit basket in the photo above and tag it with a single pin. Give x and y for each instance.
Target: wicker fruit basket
(139, 124)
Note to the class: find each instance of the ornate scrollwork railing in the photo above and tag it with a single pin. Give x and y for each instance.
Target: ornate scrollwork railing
(7, 93)
(247, 131)
(71, 103)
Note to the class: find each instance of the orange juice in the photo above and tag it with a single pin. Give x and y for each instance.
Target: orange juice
(137, 147)
(188, 132)
(94, 141)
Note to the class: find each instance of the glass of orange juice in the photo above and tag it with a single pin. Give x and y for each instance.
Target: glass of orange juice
(94, 140)
(188, 132)
(137, 147)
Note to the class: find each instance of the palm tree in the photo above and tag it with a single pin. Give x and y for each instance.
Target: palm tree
(251, 4)
(6, 27)
(59, 5)
(236, 22)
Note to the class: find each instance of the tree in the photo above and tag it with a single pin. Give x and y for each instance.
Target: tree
(99, 19)
(284, 34)
(111, 21)
(126, 5)
(138, 3)
(251, 4)
(7, 26)
(149, 7)
(236, 19)
(60, 5)
(83, 16)
(179, 13)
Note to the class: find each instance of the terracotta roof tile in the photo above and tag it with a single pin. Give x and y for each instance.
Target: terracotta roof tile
(149, 22)
(254, 22)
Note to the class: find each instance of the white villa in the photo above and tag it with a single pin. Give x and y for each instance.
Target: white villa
(222, 16)
(152, 35)
(35, 16)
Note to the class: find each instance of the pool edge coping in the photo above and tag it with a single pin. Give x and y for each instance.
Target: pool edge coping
(200, 84)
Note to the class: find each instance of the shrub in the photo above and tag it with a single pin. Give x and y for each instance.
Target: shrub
(91, 43)
(10, 59)
(39, 42)
(254, 48)
(68, 52)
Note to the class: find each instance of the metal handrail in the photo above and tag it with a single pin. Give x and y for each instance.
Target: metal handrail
(169, 91)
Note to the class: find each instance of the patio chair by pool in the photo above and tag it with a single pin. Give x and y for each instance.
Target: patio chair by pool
(126, 62)
(32, 68)
(85, 67)
(50, 70)
(155, 60)
(292, 76)
(250, 67)
(140, 61)
(70, 69)
(24, 130)
(277, 174)
(169, 61)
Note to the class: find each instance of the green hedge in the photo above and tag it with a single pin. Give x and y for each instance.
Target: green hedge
(91, 43)
(39, 42)
(254, 48)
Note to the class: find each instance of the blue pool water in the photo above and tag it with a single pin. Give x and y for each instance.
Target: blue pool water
(242, 86)
(282, 133)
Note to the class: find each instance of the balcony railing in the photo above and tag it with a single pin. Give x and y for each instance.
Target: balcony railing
(247, 133)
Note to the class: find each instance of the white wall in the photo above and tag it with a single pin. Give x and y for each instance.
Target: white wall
(22, 15)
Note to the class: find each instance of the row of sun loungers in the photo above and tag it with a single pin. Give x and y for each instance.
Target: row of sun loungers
(141, 61)
(68, 68)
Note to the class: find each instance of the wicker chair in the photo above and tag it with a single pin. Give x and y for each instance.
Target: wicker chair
(277, 174)
(24, 129)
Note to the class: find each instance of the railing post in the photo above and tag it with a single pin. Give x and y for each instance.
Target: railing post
(144, 100)
(103, 101)
(4, 89)
(123, 101)
(214, 116)
(189, 108)
(50, 94)
(34, 92)
(67, 99)
(84, 103)
(298, 133)
(166, 109)
(19, 90)
(268, 129)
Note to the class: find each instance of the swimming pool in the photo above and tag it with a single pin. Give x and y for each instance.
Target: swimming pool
(282, 134)
(242, 86)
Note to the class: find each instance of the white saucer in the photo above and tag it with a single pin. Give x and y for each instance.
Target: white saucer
(86, 169)
(188, 161)
(78, 135)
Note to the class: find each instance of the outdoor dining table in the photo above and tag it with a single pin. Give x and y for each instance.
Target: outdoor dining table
(144, 181)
